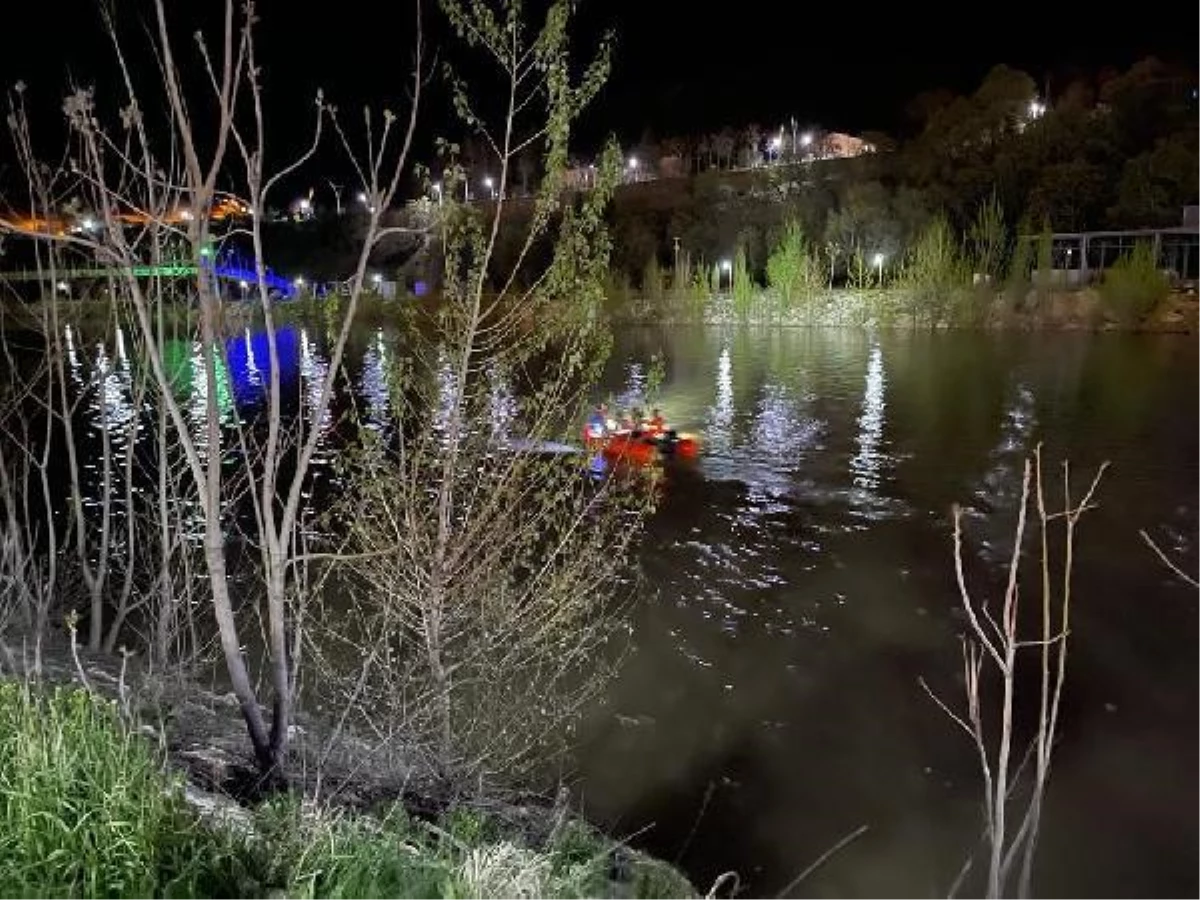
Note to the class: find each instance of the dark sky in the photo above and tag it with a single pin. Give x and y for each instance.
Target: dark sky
(680, 66)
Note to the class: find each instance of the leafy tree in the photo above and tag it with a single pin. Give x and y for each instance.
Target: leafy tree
(1155, 185)
(1070, 194)
(934, 271)
(792, 268)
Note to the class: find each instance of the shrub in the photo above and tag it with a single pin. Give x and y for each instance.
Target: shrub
(1134, 286)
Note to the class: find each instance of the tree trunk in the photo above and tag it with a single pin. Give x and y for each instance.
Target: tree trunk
(235, 661)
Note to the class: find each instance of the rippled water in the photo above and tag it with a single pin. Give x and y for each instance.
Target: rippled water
(798, 583)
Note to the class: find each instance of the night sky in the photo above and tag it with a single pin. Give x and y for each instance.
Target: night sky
(680, 66)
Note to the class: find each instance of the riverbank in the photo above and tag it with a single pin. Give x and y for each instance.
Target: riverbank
(115, 783)
(1059, 310)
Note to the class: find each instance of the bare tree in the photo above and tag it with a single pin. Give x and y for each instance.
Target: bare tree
(487, 567)
(154, 187)
(1012, 812)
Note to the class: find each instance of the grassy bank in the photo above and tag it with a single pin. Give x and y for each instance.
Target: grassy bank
(1034, 310)
(87, 809)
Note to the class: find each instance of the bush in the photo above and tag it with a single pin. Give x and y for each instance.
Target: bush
(1134, 286)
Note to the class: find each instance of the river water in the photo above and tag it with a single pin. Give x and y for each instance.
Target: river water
(798, 584)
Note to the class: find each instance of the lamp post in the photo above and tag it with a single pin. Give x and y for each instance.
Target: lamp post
(632, 165)
(878, 259)
(727, 268)
(776, 143)
(490, 185)
(437, 190)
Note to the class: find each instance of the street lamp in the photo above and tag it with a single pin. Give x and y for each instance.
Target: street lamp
(488, 183)
(727, 268)
(245, 286)
(632, 165)
(376, 279)
(878, 259)
(437, 190)
(298, 282)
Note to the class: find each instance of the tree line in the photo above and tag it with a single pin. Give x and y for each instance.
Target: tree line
(1114, 151)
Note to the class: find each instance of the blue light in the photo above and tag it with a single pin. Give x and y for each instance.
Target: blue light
(249, 357)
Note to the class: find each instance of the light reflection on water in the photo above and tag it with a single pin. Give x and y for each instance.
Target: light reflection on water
(866, 465)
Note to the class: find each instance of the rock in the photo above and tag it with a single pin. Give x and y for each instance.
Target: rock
(218, 810)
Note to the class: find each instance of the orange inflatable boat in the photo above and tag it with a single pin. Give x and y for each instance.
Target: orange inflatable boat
(643, 448)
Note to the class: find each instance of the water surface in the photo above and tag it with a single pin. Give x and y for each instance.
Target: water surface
(799, 582)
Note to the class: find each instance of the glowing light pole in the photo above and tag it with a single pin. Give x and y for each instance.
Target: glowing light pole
(878, 259)
(490, 185)
(727, 268)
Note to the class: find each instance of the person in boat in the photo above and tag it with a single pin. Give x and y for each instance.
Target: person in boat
(597, 423)
(656, 424)
(637, 423)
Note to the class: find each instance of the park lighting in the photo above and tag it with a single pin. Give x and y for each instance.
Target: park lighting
(88, 223)
(437, 189)
(633, 163)
(244, 284)
(878, 259)
(488, 183)
(376, 278)
(298, 281)
(727, 267)
(806, 139)
(63, 286)
(1036, 109)
(362, 198)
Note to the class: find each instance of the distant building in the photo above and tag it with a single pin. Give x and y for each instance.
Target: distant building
(671, 167)
(837, 145)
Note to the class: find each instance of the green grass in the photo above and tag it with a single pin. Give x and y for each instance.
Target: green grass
(87, 810)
